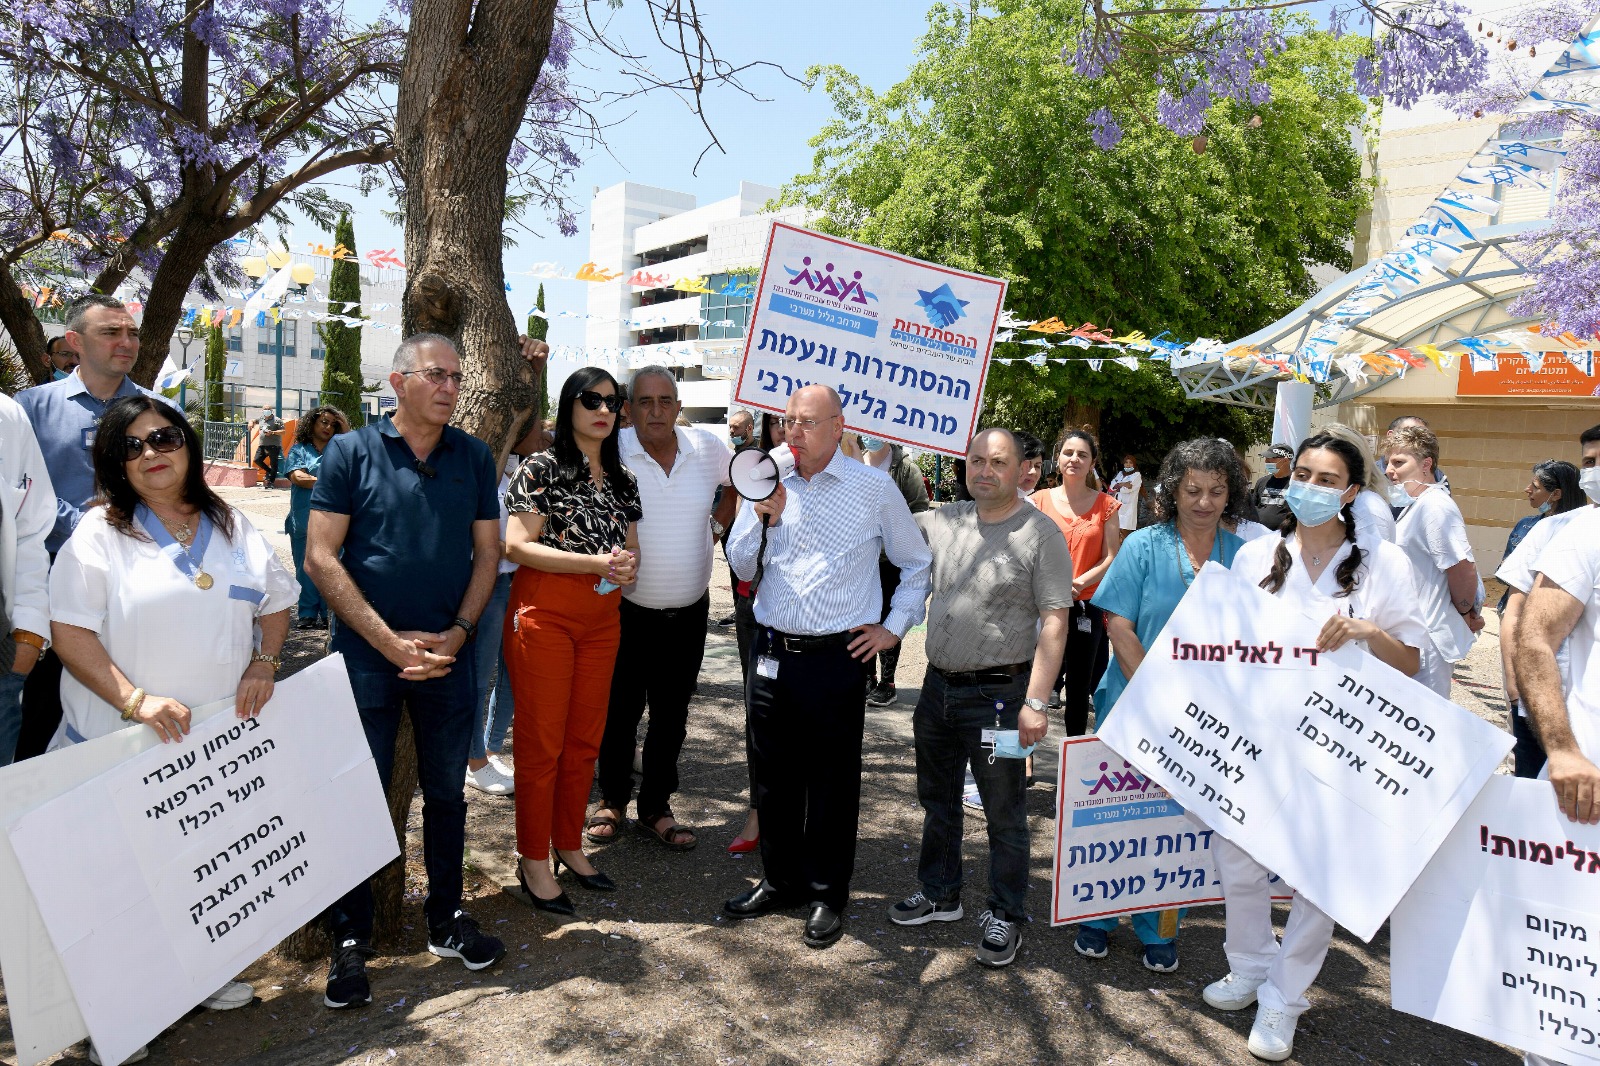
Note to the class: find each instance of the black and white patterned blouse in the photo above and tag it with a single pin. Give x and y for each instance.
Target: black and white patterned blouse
(577, 516)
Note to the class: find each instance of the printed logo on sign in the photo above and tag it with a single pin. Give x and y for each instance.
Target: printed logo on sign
(823, 282)
(941, 306)
(828, 296)
(1117, 780)
(943, 309)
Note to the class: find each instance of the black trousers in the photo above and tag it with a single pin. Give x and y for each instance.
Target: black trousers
(888, 581)
(41, 706)
(1084, 661)
(658, 663)
(1528, 756)
(803, 729)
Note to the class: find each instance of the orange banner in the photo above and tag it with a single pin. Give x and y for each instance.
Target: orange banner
(1558, 377)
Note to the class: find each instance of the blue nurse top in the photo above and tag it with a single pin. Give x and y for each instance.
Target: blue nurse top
(1148, 576)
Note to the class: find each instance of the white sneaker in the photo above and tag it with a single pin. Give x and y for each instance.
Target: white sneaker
(491, 780)
(138, 1056)
(500, 764)
(1232, 992)
(1272, 1036)
(231, 996)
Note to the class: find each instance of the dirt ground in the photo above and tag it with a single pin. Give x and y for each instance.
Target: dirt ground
(654, 974)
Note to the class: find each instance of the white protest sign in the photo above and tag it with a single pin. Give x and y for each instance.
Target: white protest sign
(905, 343)
(1123, 844)
(1500, 936)
(190, 861)
(1334, 770)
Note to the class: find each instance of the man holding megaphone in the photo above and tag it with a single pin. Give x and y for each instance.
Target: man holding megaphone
(809, 543)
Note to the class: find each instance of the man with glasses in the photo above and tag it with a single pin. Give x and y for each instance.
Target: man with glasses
(412, 505)
(664, 613)
(817, 603)
(61, 359)
(105, 340)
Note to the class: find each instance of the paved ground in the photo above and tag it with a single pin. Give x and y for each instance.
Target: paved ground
(655, 975)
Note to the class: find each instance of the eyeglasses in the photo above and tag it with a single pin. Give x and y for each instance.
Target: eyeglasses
(593, 401)
(436, 376)
(166, 439)
(804, 425)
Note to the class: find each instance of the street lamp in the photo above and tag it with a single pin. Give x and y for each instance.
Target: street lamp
(185, 338)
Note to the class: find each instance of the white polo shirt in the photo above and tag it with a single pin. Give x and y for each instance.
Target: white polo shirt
(1572, 561)
(1433, 535)
(675, 543)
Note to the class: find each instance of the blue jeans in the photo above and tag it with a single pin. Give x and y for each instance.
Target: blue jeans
(10, 714)
(493, 683)
(310, 605)
(442, 716)
(948, 724)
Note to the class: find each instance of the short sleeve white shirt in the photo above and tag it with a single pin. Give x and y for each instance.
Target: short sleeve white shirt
(1572, 561)
(1385, 593)
(1374, 518)
(1125, 487)
(1248, 530)
(1517, 569)
(170, 637)
(506, 565)
(675, 542)
(1433, 535)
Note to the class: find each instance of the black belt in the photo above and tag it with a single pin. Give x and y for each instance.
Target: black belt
(791, 643)
(988, 675)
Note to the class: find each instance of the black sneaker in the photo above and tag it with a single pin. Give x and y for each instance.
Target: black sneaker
(1000, 941)
(727, 621)
(881, 695)
(459, 938)
(918, 909)
(347, 976)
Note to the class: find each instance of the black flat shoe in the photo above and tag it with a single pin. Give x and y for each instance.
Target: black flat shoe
(823, 927)
(762, 899)
(595, 882)
(560, 905)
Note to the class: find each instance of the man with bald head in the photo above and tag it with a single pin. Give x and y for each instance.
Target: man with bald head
(817, 603)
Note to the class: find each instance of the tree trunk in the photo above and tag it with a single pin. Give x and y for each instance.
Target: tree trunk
(1079, 415)
(22, 325)
(464, 88)
(185, 257)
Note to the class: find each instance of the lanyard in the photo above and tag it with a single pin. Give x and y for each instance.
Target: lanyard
(182, 558)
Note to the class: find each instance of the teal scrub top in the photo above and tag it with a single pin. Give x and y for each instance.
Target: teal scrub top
(301, 457)
(1147, 578)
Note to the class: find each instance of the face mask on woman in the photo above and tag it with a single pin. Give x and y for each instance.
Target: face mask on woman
(1398, 496)
(1312, 505)
(1127, 468)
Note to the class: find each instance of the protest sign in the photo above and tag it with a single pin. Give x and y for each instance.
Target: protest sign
(1123, 844)
(905, 343)
(1332, 769)
(1500, 936)
(189, 861)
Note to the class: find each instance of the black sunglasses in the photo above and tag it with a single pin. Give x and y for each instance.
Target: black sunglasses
(165, 439)
(593, 401)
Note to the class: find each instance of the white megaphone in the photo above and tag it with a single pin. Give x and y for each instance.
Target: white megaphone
(755, 475)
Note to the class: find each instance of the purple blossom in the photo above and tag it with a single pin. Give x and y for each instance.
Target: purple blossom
(1184, 114)
(1105, 133)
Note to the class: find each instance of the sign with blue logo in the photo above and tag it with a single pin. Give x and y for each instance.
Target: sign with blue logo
(905, 343)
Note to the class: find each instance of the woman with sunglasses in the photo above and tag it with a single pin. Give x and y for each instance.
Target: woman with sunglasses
(311, 437)
(573, 529)
(156, 598)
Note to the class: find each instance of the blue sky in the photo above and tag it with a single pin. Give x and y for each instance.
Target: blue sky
(655, 139)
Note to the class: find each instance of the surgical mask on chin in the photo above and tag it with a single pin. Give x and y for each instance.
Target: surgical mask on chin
(1544, 508)
(1398, 496)
(59, 374)
(736, 441)
(1312, 505)
(1589, 482)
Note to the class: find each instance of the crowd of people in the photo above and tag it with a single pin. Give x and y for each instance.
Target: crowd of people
(595, 544)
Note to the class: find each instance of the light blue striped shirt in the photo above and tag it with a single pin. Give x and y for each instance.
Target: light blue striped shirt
(821, 572)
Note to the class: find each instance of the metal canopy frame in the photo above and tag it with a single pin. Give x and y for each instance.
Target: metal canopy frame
(1469, 298)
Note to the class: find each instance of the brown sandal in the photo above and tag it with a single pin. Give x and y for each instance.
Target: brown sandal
(676, 837)
(603, 818)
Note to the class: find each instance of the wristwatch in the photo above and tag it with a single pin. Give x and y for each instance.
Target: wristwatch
(1035, 704)
(263, 657)
(470, 628)
(27, 636)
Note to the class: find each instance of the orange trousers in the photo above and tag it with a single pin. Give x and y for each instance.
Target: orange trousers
(560, 645)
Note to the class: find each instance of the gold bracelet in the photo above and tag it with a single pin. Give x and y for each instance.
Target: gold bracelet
(131, 708)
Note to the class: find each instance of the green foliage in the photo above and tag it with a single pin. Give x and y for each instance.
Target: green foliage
(341, 368)
(539, 325)
(981, 159)
(14, 376)
(216, 370)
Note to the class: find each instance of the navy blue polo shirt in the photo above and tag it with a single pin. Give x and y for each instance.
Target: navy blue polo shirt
(409, 547)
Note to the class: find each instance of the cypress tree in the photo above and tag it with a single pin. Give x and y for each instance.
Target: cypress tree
(216, 369)
(538, 329)
(341, 369)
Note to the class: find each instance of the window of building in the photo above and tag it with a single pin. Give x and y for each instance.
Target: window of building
(233, 339)
(267, 344)
(728, 313)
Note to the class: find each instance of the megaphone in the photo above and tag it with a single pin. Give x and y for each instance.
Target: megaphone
(755, 475)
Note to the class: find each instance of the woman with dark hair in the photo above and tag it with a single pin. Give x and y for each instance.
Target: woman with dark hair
(574, 514)
(156, 598)
(1366, 593)
(1553, 489)
(1086, 516)
(311, 436)
(1201, 482)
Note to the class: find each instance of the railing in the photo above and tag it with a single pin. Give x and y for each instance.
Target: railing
(221, 440)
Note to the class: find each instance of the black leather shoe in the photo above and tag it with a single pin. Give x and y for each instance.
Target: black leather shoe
(823, 927)
(595, 882)
(763, 899)
(561, 904)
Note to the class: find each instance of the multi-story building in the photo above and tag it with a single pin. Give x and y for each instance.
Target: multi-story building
(700, 334)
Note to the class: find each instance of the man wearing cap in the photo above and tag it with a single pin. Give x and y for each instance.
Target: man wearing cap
(1268, 493)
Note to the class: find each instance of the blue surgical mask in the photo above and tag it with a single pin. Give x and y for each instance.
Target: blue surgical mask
(1126, 469)
(1544, 508)
(1312, 505)
(871, 444)
(736, 440)
(1398, 496)
(59, 374)
(1007, 745)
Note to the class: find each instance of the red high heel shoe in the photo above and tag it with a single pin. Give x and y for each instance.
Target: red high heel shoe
(741, 846)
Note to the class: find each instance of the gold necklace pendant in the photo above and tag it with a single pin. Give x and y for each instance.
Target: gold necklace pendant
(203, 581)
